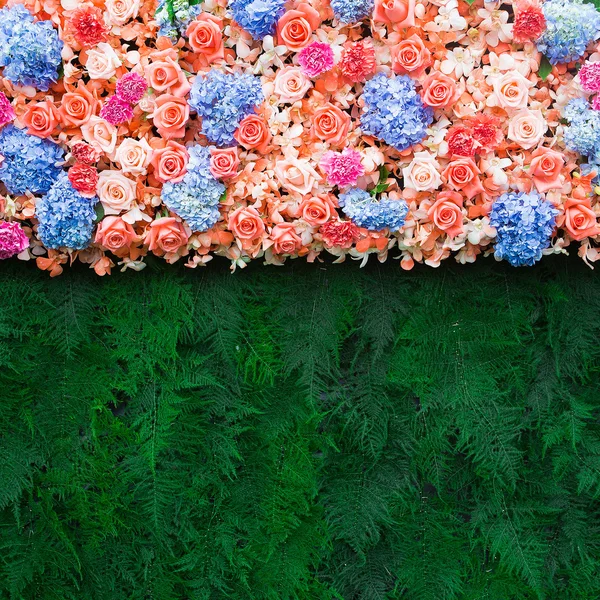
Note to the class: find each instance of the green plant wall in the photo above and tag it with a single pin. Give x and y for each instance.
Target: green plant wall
(313, 433)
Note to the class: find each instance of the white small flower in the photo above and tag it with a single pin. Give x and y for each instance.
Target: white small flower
(458, 61)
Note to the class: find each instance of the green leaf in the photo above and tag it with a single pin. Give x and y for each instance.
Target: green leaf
(545, 68)
(99, 212)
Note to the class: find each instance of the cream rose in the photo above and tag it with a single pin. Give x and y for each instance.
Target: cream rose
(121, 11)
(422, 173)
(100, 134)
(291, 84)
(296, 175)
(511, 91)
(102, 62)
(526, 128)
(134, 156)
(116, 192)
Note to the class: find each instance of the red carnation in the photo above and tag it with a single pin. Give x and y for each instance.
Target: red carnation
(87, 26)
(358, 61)
(460, 141)
(529, 23)
(84, 178)
(486, 131)
(339, 233)
(84, 153)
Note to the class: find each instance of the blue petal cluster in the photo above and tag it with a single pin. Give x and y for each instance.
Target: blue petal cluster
(524, 225)
(196, 198)
(365, 211)
(174, 16)
(66, 218)
(30, 162)
(351, 11)
(571, 26)
(223, 100)
(582, 135)
(394, 112)
(257, 17)
(30, 52)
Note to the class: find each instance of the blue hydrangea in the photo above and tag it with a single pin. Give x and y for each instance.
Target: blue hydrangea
(174, 16)
(524, 224)
(196, 198)
(66, 218)
(257, 17)
(394, 112)
(223, 100)
(30, 163)
(351, 11)
(582, 135)
(570, 26)
(30, 52)
(366, 211)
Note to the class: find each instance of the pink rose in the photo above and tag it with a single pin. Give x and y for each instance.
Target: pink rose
(410, 56)
(317, 210)
(439, 90)
(170, 162)
(121, 11)
(100, 134)
(545, 169)
(527, 128)
(245, 223)
(330, 124)
(205, 37)
(170, 116)
(295, 28)
(462, 175)
(291, 84)
(446, 213)
(113, 233)
(133, 156)
(116, 192)
(102, 62)
(166, 235)
(580, 219)
(400, 13)
(40, 118)
(253, 134)
(422, 174)
(511, 91)
(285, 238)
(296, 175)
(166, 75)
(224, 162)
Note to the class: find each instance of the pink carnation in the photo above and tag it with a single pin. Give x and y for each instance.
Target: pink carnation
(596, 102)
(7, 112)
(529, 23)
(342, 168)
(339, 233)
(12, 239)
(116, 111)
(84, 153)
(131, 88)
(358, 61)
(316, 58)
(589, 75)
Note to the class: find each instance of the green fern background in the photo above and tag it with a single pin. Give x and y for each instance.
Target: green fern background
(312, 432)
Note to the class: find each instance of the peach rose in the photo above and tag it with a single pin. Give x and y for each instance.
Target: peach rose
(253, 134)
(446, 213)
(166, 234)
(580, 219)
(102, 62)
(245, 223)
(316, 210)
(40, 118)
(527, 128)
(77, 107)
(422, 174)
(285, 238)
(100, 134)
(511, 91)
(116, 192)
(545, 169)
(295, 28)
(121, 11)
(134, 156)
(410, 56)
(170, 162)
(170, 116)
(400, 13)
(330, 124)
(205, 37)
(296, 175)
(439, 90)
(166, 75)
(291, 84)
(113, 233)
(224, 162)
(462, 175)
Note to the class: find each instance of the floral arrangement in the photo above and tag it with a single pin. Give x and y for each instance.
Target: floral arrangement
(264, 129)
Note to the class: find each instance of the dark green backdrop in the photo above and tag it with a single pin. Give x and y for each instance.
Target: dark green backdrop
(309, 432)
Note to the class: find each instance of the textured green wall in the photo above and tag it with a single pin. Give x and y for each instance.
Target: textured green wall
(314, 432)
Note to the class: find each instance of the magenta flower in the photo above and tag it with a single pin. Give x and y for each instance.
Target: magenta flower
(116, 111)
(7, 112)
(342, 168)
(131, 87)
(596, 102)
(12, 239)
(316, 58)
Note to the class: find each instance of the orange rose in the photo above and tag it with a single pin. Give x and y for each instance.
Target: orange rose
(223, 162)
(295, 27)
(77, 107)
(580, 219)
(170, 162)
(400, 13)
(253, 134)
(166, 75)
(205, 37)
(546, 166)
(285, 238)
(245, 223)
(410, 56)
(316, 210)
(166, 234)
(446, 213)
(113, 233)
(170, 116)
(439, 90)
(40, 118)
(462, 175)
(330, 124)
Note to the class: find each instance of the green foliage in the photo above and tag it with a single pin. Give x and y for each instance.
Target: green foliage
(307, 433)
